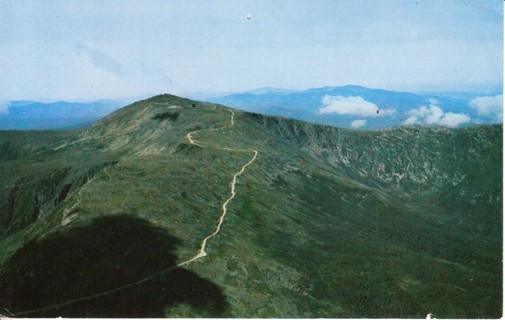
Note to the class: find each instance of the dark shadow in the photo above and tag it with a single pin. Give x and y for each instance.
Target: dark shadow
(166, 116)
(107, 254)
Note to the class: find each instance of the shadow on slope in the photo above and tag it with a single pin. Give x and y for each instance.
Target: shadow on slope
(106, 254)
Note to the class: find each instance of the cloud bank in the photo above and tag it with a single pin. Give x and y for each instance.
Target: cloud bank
(434, 115)
(489, 107)
(356, 124)
(411, 121)
(453, 120)
(351, 106)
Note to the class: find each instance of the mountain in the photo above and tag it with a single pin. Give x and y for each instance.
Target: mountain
(31, 115)
(267, 90)
(171, 207)
(349, 103)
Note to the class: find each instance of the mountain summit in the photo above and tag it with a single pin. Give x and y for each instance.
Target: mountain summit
(171, 207)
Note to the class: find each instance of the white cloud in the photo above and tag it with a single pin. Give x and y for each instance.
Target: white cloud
(490, 106)
(434, 115)
(348, 105)
(421, 112)
(358, 124)
(351, 106)
(453, 120)
(411, 120)
(431, 114)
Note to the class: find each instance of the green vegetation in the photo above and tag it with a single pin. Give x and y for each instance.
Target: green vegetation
(326, 222)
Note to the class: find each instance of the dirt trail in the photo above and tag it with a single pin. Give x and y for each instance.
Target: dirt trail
(224, 207)
(201, 252)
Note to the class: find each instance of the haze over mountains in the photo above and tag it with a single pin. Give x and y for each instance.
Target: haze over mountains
(348, 106)
(360, 107)
(31, 115)
(171, 207)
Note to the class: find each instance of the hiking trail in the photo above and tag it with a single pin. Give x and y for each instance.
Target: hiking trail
(201, 253)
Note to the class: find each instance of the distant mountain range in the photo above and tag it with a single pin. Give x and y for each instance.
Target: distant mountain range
(347, 106)
(31, 115)
(360, 107)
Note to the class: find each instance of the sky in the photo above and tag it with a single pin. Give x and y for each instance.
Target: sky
(85, 50)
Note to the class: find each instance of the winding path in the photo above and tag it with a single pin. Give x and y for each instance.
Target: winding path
(201, 253)
(224, 207)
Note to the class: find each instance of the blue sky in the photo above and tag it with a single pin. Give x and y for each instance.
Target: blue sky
(111, 49)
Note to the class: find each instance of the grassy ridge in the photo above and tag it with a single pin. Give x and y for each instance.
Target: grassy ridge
(326, 222)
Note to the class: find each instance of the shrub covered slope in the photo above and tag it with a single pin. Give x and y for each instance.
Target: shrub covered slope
(326, 222)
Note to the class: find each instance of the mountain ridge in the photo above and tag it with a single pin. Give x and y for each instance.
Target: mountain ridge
(323, 223)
